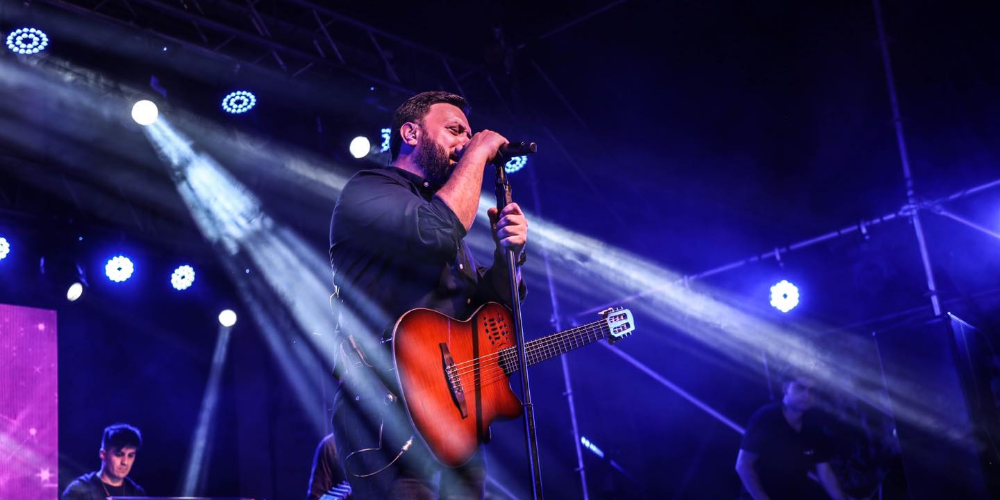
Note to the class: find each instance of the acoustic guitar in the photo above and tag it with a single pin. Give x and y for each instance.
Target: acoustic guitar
(454, 376)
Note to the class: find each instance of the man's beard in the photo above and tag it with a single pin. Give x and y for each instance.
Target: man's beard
(434, 160)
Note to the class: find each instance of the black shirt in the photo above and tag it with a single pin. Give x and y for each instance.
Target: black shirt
(90, 487)
(785, 457)
(394, 246)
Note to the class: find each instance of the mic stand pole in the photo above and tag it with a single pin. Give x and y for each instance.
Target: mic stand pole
(503, 195)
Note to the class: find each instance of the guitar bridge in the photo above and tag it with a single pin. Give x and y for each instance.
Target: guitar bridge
(454, 380)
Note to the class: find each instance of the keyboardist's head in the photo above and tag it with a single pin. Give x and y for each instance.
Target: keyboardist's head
(118, 449)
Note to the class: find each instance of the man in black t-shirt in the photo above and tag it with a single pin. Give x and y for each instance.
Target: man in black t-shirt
(782, 445)
(118, 448)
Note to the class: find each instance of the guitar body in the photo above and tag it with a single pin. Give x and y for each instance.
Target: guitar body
(452, 380)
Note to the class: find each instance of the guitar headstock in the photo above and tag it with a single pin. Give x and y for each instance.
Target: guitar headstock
(620, 323)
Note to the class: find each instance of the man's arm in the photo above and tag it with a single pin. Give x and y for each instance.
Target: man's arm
(829, 481)
(744, 468)
(461, 191)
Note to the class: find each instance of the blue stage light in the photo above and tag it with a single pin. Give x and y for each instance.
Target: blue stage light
(591, 446)
(119, 268)
(238, 102)
(386, 139)
(784, 296)
(516, 163)
(4, 247)
(182, 278)
(27, 41)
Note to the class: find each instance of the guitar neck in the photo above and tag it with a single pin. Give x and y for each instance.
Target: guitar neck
(550, 346)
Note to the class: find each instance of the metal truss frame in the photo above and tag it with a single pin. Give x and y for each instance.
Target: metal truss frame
(294, 37)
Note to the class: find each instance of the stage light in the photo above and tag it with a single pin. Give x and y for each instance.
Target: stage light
(238, 102)
(144, 112)
(784, 296)
(516, 163)
(182, 278)
(4, 247)
(119, 268)
(386, 139)
(360, 147)
(591, 446)
(227, 318)
(74, 292)
(27, 41)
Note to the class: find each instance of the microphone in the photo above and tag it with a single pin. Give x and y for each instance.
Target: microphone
(512, 149)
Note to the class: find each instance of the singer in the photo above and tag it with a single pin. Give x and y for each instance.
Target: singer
(397, 243)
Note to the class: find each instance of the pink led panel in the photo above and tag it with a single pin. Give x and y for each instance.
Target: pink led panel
(29, 404)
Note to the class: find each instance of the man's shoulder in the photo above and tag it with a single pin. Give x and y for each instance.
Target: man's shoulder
(766, 415)
(81, 488)
(87, 478)
(768, 410)
(376, 176)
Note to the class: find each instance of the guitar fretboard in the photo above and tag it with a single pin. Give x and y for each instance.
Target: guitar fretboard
(550, 346)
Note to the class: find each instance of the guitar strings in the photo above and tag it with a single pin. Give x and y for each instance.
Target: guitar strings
(538, 345)
(549, 340)
(543, 348)
(510, 352)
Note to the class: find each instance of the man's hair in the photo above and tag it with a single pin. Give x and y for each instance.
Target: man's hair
(414, 110)
(119, 436)
(791, 373)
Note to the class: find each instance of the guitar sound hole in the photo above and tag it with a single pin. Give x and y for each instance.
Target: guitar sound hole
(496, 330)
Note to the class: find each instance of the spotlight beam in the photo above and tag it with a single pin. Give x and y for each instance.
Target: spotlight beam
(286, 287)
(962, 220)
(776, 253)
(197, 469)
(708, 319)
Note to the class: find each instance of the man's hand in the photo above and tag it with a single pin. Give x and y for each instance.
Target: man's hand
(482, 147)
(510, 228)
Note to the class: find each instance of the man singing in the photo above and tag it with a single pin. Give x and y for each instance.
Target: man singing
(397, 243)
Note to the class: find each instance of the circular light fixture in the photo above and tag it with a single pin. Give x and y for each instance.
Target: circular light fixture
(4, 248)
(145, 113)
(27, 41)
(119, 268)
(182, 278)
(514, 164)
(386, 134)
(360, 147)
(227, 318)
(784, 296)
(238, 102)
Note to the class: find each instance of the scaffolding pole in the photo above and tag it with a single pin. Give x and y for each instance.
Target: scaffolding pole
(904, 159)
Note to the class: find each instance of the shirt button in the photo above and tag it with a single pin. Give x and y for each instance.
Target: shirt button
(427, 184)
(468, 301)
(461, 266)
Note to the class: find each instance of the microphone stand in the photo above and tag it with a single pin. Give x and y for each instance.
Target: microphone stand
(502, 190)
